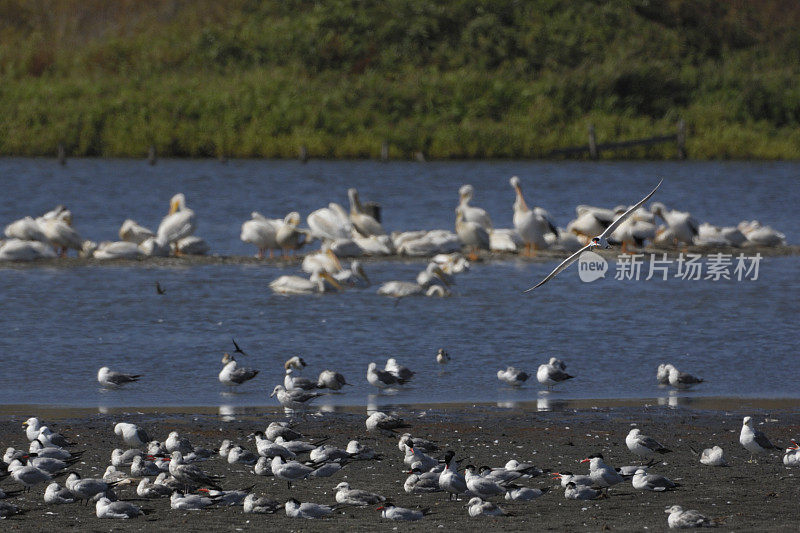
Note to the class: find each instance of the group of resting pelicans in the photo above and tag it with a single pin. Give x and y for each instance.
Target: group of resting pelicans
(361, 233)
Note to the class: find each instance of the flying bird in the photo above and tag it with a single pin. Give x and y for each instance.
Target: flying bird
(599, 241)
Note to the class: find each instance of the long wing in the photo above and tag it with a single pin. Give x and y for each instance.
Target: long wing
(564, 264)
(609, 230)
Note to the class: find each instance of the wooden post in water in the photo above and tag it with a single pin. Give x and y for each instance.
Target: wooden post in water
(303, 155)
(593, 153)
(681, 139)
(385, 151)
(152, 156)
(419, 156)
(62, 154)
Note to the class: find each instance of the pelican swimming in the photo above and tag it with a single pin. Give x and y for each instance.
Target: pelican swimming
(352, 276)
(318, 282)
(262, 232)
(471, 234)
(423, 285)
(289, 237)
(179, 222)
(130, 231)
(364, 224)
(473, 214)
(531, 224)
(330, 223)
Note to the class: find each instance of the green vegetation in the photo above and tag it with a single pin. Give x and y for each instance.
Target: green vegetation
(457, 79)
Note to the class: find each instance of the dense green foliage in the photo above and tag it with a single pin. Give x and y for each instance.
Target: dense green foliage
(464, 78)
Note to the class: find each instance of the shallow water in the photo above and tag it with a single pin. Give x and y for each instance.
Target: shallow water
(60, 325)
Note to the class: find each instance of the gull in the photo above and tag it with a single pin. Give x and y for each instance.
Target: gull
(481, 486)
(326, 453)
(392, 512)
(442, 357)
(166, 480)
(10, 493)
(753, 440)
(13, 453)
(87, 488)
(292, 382)
(189, 502)
(478, 507)
(581, 492)
(402, 373)
(329, 379)
(654, 482)
(295, 509)
(267, 448)
(568, 477)
(527, 469)
(282, 429)
(242, 456)
(419, 443)
(512, 376)
(145, 489)
(524, 494)
(662, 374)
(680, 519)
(419, 482)
(132, 434)
(327, 470)
(380, 378)
(8, 509)
(32, 427)
(289, 471)
(642, 445)
(602, 475)
(174, 442)
(190, 474)
(297, 446)
(713, 457)
(294, 398)
(552, 373)
(121, 457)
(228, 497)
(417, 457)
(599, 241)
(56, 494)
(791, 456)
(499, 475)
(50, 464)
(232, 374)
(256, 505)
(450, 480)
(36, 447)
(105, 508)
(262, 467)
(29, 475)
(225, 448)
(294, 362)
(682, 380)
(48, 438)
(359, 452)
(382, 421)
(346, 495)
(112, 380)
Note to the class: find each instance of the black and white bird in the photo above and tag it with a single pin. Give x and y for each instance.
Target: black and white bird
(642, 445)
(450, 480)
(189, 502)
(754, 440)
(479, 507)
(110, 379)
(330, 379)
(190, 475)
(442, 357)
(682, 380)
(601, 241)
(233, 374)
(552, 373)
(580, 492)
(295, 509)
(402, 373)
(56, 494)
(654, 482)
(146, 489)
(380, 421)
(105, 508)
(289, 471)
(87, 488)
(512, 376)
(131, 434)
(347, 496)
(381, 378)
(295, 398)
(262, 505)
(680, 519)
(392, 512)
(602, 475)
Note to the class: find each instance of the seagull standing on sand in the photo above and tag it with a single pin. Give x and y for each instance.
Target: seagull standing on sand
(132, 434)
(642, 445)
(753, 440)
(450, 480)
(190, 475)
(289, 471)
(111, 380)
(599, 241)
(602, 475)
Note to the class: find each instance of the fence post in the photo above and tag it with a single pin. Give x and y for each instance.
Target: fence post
(592, 143)
(303, 154)
(62, 154)
(152, 157)
(681, 139)
(385, 151)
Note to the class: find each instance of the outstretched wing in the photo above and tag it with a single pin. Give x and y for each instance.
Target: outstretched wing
(564, 264)
(609, 230)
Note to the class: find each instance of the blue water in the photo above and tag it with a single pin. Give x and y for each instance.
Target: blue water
(59, 325)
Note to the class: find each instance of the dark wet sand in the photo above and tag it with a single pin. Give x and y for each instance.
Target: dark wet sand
(541, 256)
(744, 496)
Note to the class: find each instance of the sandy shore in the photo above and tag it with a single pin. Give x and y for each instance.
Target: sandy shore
(744, 496)
(541, 256)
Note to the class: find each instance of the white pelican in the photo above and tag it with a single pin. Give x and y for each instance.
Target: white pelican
(26, 229)
(374, 244)
(330, 223)
(346, 248)
(60, 233)
(117, 250)
(364, 224)
(297, 285)
(590, 220)
(505, 240)
(684, 227)
(710, 235)
(132, 232)
(152, 247)
(761, 235)
(425, 280)
(472, 235)
(531, 224)
(288, 236)
(192, 245)
(352, 276)
(634, 231)
(261, 232)
(473, 214)
(179, 223)
(452, 263)
(325, 260)
(17, 250)
(426, 243)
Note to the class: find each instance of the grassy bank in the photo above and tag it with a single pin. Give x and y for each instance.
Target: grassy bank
(470, 78)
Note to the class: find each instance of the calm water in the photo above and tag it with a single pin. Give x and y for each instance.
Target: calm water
(59, 325)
